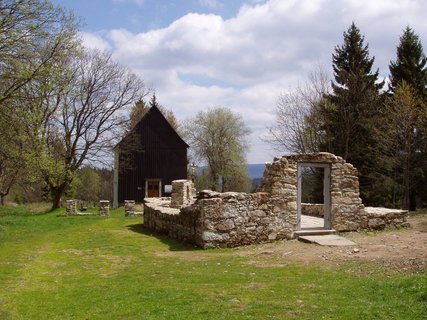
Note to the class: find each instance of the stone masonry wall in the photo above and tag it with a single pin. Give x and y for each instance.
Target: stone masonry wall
(380, 218)
(347, 211)
(182, 193)
(183, 225)
(220, 220)
(232, 219)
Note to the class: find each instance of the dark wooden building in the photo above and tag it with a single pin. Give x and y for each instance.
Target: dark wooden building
(148, 159)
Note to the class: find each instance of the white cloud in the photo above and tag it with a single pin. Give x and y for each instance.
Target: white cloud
(95, 41)
(202, 60)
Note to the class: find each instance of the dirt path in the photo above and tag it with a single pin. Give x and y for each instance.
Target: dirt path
(397, 249)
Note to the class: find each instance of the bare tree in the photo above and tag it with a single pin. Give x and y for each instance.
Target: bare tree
(218, 137)
(297, 128)
(90, 118)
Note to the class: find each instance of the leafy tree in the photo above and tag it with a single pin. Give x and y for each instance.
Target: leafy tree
(106, 179)
(34, 35)
(410, 68)
(88, 184)
(217, 137)
(410, 64)
(406, 112)
(36, 40)
(353, 108)
(236, 178)
(12, 163)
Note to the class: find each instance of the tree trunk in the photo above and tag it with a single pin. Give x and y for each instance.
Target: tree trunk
(412, 200)
(1, 199)
(58, 192)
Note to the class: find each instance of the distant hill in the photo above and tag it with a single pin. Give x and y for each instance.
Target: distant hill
(256, 170)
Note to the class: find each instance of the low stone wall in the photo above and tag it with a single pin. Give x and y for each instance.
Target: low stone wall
(233, 219)
(71, 209)
(220, 220)
(380, 218)
(179, 224)
(312, 209)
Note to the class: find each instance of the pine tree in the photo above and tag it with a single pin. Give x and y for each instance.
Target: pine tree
(351, 110)
(136, 114)
(410, 65)
(141, 107)
(351, 62)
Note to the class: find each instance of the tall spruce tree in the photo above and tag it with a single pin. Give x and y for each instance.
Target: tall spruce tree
(410, 65)
(351, 110)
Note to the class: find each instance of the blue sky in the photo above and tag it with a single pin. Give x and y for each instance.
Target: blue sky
(143, 15)
(241, 54)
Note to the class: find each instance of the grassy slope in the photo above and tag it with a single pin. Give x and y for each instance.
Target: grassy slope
(56, 267)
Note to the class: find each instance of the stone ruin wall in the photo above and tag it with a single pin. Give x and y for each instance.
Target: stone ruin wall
(347, 210)
(220, 219)
(71, 209)
(232, 219)
(180, 224)
(380, 218)
(183, 192)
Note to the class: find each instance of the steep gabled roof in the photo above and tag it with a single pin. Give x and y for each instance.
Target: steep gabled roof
(159, 126)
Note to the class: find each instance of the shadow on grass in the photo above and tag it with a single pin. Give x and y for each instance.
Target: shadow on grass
(174, 245)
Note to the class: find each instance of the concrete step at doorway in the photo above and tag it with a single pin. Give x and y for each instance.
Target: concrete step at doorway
(327, 240)
(312, 232)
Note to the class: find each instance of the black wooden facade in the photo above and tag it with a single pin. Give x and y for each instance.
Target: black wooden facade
(149, 158)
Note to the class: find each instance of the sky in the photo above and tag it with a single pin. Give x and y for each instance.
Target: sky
(239, 54)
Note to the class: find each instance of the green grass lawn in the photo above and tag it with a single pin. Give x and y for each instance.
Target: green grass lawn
(57, 267)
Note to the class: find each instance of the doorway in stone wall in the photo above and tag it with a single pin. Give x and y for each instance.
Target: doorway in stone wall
(314, 196)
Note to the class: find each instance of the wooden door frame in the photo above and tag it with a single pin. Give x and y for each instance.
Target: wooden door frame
(146, 186)
(326, 192)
